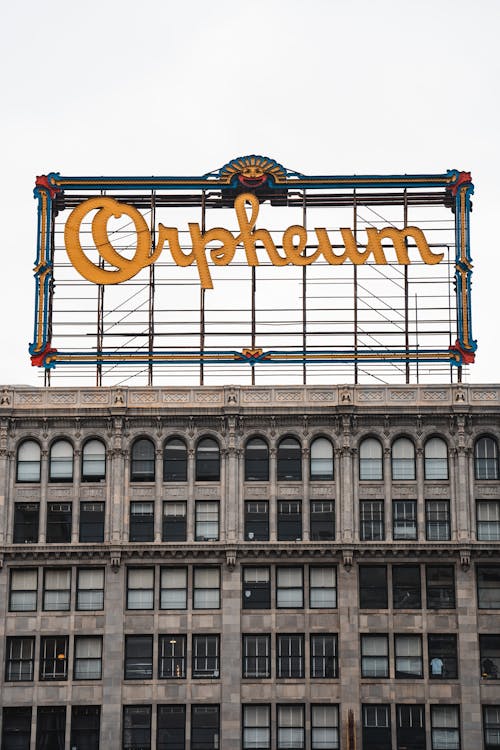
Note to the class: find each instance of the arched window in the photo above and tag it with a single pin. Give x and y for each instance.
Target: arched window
(403, 459)
(93, 461)
(61, 462)
(486, 458)
(142, 467)
(370, 459)
(256, 461)
(28, 462)
(207, 461)
(321, 462)
(289, 459)
(436, 459)
(175, 461)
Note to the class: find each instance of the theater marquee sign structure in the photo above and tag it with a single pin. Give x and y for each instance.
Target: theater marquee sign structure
(253, 271)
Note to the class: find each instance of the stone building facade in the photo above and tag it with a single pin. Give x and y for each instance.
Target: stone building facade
(305, 567)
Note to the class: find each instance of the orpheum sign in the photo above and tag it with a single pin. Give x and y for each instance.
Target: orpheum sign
(106, 240)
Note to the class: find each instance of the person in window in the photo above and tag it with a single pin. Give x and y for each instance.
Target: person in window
(437, 667)
(489, 669)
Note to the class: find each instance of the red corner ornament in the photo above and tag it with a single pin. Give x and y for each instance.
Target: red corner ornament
(43, 181)
(38, 360)
(252, 353)
(462, 179)
(467, 356)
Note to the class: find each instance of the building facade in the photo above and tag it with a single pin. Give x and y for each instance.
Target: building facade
(309, 567)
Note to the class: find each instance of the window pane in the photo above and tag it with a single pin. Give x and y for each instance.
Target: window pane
(370, 459)
(207, 461)
(289, 459)
(142, 468)
(436, 459)
(175, 461)
(28, 462)
(93, 461)
(403, 459)
(61, 462)
(256, 461)
(321, 459)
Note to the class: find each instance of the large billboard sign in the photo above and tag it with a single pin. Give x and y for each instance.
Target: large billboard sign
(253, 265)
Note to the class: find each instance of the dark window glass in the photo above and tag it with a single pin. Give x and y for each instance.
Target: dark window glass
(289, 587)
(204, 727)
(142, 466)
(488, 520)
(16, 728)
(322, 520)
(489, 655)
(289, 520)
(442, 653)
(58, 523)
(136, 728)
(403, 459)
(141, 522)
(256, 461)
(291, 731)
(175, 461)
(410, 726)
(376, 727)
(138, 657)
(374, 656)
(23, 589)
(408, 656)
(256, 727)
(91, 522)
(206, 656)
(373, 586)
(370, 460)
(257, 520)
(90, 589)
(56, 589)
(406, 592)
(28, 462)
(207, 461)
(404, 519)
(491, 727)
(323, 650)
(206, 521)
(93, 461)
(54, 657)
(256, 656)
(486, 458)
(50, 727)
(325, 727)
(256, 588)
(488, 586)
(445, 728)
(290, 655)
(371, 518)
(88, 657)
(440, 586)
(172, 657)
(289, 460)
(171, 732)
(61, 462)
(321, 461)
(437, 520)
(436, 459)
(26, 519)
(85, 727)
(174, 527)
(19, 659)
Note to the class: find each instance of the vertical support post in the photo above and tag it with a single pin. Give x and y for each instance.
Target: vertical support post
(100, 323)
(406, 284)
(304, 296)
(151, 321)
(254, 290)
(355, 286)
(202, 298)
(416, 337)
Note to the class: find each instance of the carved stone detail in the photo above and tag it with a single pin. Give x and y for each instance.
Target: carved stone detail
(490, 492)
(175, 397)
(284, 491)
(316, 491)
(369, 395)
(27, 493)
(432, 491)
(202, 492)
(143, 397)
(465, 558)
(401, 491)
(62, 398)
(406, 395)
(142, 492)
(28, 398)
(260, 396)
(94, 492)
(289, 396)
(256, 492)
(208, 397)
(436, 395)
(347, 558)
(97, 397)
(322, 396)
(176, 492)
(483, 395)
(371, 491)
(230, 558)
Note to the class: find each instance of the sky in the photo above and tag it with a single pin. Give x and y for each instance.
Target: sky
(169, 88)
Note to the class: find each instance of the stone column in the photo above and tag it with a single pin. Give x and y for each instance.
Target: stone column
(273, 508)
(190, 498)
(420, 476)
(387, 474)
(44, 478)
(230, 738)
(75, 526)
(158, 500)
(306, 499)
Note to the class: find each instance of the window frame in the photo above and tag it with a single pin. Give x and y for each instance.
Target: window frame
(141, 521)
(164, 571)
(322, 664)
(280, 588)
(261, 473)
(14, 572)
(257, 590)
(486, 466)
(261, 735)
(16, 727)
(91, 522)
(63, 592)
(489, 656)
(97, 460)
(317, 603)
(406, 587)
(482, 601)
(290, 656)
(205, 650)
(437, 521)
(371, 520)
(491, 726)
(431, 462)
(207, 460)
(178, 462)
(18, 662)
(210, 522)
(79, 590)
(328, 472)
(281, 742)
(434, 709)
(26, 532)
(177, 658)
(180, 535)
(371, 467)
(199, 737)
(63, 463)
(485, 507)
(79, 660)
(380, 659)
(59, 522)
(143, 644)
(332, 728)
(402, 519)
(289, 459)
(87, 735)
(446, 653)
(148, 603)
(251, 651)
(321, 530)
(289, 521)
(445, 588)
(136, 736)
(60, 651)
(367, 589)
(175, 732)
(403, 468)
(256, 522)
(376, 735)
(199, 590)
(411, 658)
(142, 462)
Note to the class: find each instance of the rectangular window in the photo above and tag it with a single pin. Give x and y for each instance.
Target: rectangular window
(488, 586)
(257, 521)
(289, 587)
(406, 591)
(256, 588)
(256, 656)
(16, 728)
(289, 520)
(256, 727)
(23, 589)
(373, 586)
(50, 727)
(88, 657)
(141, 522)
(322, 520)
(90, 589)
(204, 727)
(445, 732)
(322, 587)
(206, 588)
(140, 588)
(136, 727)
(174, 527)
(290, 656)
(58, 523)
(440, 586)
(173, 588)
(374, 656)
(171, 727)
(172, 657)
(489, 655)
(408, 656)
(437, 520)
(26, 519)
(56, 589)
(19, 659)
(404, 519)
(488, 520)
(138, 657)
(291, 731)
(442, 651)
(323, 650)
(376, 726)
(85, 727)
(371, 520)
(410, 726)
(91, 522)
(206, 656)
(206, 521)
(491, 727)
(54, 657)
(324, 727)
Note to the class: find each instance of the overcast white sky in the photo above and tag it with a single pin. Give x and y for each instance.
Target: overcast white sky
(324, 87)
